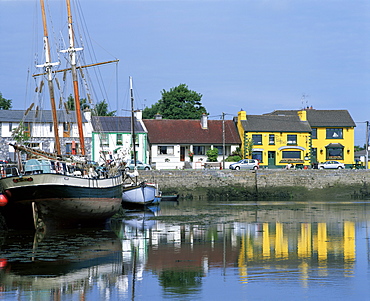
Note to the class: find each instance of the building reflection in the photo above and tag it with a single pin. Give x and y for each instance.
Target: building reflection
(179, 253)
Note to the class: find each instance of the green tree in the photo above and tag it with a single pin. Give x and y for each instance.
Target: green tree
(5, 104)
(177, 103)
(70, 104)
(248, 148)
(359, 148)
(19, 134)
(101, 109)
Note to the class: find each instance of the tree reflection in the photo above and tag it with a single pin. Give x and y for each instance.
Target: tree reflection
(181, 281)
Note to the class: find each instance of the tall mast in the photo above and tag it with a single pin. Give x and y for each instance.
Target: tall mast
(133, 136)
(72, 53)
(48, 66)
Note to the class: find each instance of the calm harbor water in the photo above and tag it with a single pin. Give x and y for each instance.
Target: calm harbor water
(199, 250)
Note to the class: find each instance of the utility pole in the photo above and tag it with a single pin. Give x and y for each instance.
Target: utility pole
(367, 145)
(223, 140)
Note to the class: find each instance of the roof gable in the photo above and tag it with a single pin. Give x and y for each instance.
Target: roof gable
(176, 131)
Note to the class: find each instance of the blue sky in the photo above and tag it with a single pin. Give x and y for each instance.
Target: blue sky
(256, 55)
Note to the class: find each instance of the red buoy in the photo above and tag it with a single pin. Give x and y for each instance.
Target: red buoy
(3, 200)
(3, 263)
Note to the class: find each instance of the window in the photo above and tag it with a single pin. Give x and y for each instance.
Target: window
(104, 140)
(314, 133)
(257, 155)
(220, 149)
(50, 127)
(292, 139)
(291, 155)
(66, 127)
(199, 150)
(257, 139)
(10, 126)
(71, 150)
(165, 150)
(271, 139)
(334, 133)
(28, 128)
(119, 139)
(334, 153)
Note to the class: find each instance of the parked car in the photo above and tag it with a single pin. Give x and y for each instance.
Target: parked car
(245, 164)
(331, 165)
(140, 165)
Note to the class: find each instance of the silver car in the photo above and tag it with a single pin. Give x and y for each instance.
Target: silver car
(245, 164)
(331, 165)
(140, 165)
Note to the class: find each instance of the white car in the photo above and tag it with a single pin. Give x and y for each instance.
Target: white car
(140, 165)
(331, 165)
(245, 164)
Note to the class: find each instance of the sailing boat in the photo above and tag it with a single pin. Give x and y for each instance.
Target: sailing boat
(136, 193)
(52, 188)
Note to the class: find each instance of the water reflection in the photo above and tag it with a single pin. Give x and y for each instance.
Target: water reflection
(60, 264)
(200, 249)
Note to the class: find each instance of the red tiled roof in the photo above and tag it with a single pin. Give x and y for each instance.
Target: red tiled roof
(183, 131)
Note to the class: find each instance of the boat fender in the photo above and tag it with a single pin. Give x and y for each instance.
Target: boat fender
(3, 200)
(3, 263)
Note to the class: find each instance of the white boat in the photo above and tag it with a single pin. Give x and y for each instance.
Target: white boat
(135, 193)
(140, 194)
(64, 191)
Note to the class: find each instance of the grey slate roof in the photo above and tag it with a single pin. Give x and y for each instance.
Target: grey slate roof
(42, 116)
(110, 124)
(323, 118)
(275, 123)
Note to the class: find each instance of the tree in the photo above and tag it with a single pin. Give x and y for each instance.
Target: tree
(359, 148)
(19, 134)
(101, 109)
(70, 104)
(177, 103)
(5, 104)
(248, 148)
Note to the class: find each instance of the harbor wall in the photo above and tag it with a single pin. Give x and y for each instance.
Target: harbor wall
(273, 179)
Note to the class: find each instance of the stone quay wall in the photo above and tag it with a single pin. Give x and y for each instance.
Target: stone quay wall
(264, 178)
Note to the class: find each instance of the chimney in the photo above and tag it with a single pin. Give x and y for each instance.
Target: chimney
(157, 116)
(204, 121)
(242, 115)
(138, 114)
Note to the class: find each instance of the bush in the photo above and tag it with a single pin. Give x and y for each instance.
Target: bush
(232, 158)
(212, 155)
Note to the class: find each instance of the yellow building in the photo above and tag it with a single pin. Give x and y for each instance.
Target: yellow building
(332, 136)
(301, 137)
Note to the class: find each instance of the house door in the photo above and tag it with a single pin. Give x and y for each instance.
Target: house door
(182, 153)
(314, 155)
(271, 158)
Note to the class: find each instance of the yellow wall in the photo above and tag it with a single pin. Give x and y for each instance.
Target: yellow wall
(348, 142)
(303, 145)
